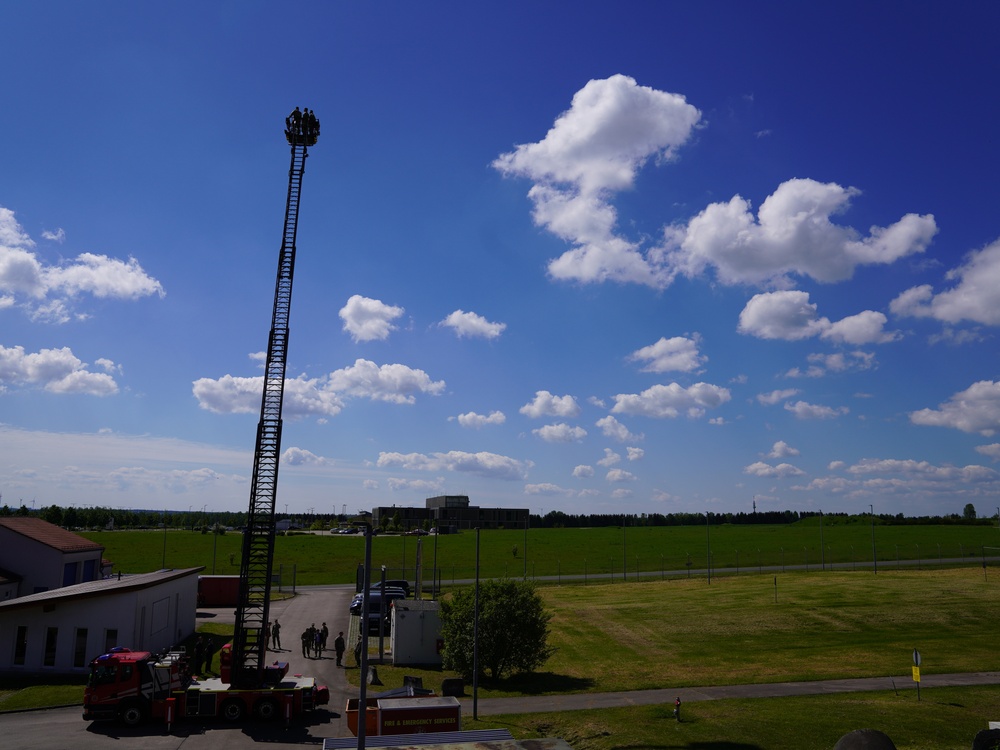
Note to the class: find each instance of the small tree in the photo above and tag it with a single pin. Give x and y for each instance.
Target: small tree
(969, 513)
(513, 629)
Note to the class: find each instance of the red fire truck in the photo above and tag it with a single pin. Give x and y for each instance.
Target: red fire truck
(134, 686)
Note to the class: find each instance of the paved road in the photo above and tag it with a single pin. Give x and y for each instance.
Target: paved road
(64, 728)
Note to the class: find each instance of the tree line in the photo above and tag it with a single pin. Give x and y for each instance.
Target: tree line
(94, 517)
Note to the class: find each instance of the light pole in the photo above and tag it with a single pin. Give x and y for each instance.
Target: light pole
(874, 553)
(366, 589)
(822, 553)
(527, 519)
(475, 641)
(624, 557)
(708, 538)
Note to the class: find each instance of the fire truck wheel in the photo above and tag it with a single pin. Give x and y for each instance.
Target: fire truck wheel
(132, 713)
(266, 709)
(232, 709)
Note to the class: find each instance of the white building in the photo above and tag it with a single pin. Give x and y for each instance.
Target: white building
(60, 631)
(58, 611)
(45, 556)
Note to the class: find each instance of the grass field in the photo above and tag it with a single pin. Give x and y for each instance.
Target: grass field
(810, 626)
(679, 631)
(653, 552)
(944, 719)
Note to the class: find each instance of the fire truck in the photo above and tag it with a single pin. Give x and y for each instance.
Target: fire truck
(136, 685)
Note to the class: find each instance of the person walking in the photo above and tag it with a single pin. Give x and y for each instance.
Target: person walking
(677, 708)
(340, 647)
(276, 635)
(306, 643)
(324, 634)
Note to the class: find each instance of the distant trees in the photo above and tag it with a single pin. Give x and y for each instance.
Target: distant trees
(513, 629)
(969, 512)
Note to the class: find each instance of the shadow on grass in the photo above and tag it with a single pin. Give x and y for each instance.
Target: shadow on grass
(541, 683)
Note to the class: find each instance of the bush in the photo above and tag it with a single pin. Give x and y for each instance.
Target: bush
(513, 629)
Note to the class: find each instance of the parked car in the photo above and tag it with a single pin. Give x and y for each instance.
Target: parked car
(375, 600)
(393, 584)
(375, 606)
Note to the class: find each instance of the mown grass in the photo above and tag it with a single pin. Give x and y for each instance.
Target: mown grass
(741, 630)
(944, 719)
(630, 553)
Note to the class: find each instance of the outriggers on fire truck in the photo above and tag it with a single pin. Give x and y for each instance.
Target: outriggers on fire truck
(135, 685)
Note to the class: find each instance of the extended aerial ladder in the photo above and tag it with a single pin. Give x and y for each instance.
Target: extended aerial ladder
(249, 651)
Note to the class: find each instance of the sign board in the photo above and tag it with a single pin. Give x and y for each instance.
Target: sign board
(916, 658)
(916, 674)
(419, 714)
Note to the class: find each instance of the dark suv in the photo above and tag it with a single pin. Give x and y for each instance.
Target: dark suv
(400, 584)
(375, 605)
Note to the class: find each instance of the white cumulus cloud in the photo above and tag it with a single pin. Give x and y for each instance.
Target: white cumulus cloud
(805, 410)
(668, 401)
(395, 383)
(678, 354)
(790, 316)
(301, 457)
(547, 405)
(975, 295)
(781, 449)
(974, 410)
(594, 150)
(474, 420)
(54, 370)
(560, 433)
(369, 319)
(612, 428)
(50, 293)
(472, 325)
(781, 471)
(791, 235)
(484, 464)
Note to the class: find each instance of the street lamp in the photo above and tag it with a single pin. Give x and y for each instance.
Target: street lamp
(822, 554)
(874, 553)
(708, 537)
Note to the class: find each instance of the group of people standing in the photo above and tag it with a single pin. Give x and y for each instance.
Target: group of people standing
(314, 641)
(300, 123)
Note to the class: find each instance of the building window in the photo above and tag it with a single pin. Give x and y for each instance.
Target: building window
(80, 648)
(89, 570)
(69, 573)
(110, 639)
(51, 635)
(20, 645)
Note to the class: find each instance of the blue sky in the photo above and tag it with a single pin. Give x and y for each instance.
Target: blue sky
(653, 257)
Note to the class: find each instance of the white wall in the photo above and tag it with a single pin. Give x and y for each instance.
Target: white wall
(166, 610)
(416, 628)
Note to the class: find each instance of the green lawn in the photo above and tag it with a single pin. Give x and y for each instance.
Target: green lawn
(944, 719)
(647, 552)
(823, 626)
(682, 631)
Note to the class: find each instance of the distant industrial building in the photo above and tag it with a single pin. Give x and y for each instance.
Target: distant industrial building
(452, 513)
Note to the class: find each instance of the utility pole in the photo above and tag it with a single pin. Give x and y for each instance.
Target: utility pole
(874, 553)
